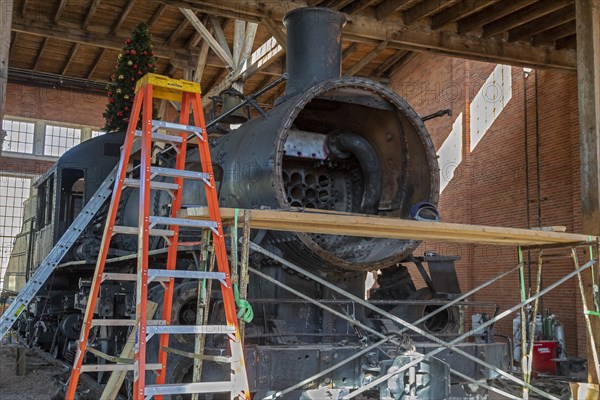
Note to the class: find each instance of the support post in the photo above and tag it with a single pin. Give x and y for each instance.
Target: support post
(6, 12)
(588, 80)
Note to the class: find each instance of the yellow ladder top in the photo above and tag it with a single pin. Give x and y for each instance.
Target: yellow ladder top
(167, 88)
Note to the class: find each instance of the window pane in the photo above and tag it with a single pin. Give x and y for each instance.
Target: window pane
(97, 133)
(19, 136)
(59, 139)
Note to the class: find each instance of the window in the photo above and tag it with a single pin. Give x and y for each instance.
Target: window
(59, 139)
(13, 193)
(19, 136)
(97, 133)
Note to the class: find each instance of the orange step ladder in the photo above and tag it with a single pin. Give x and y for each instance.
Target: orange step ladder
(188, 93)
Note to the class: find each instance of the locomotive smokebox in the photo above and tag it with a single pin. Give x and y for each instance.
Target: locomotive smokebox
(335, 144)
(314, 47)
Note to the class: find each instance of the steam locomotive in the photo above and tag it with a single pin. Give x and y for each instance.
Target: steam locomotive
(329, 143)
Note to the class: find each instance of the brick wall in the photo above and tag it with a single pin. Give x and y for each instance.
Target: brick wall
(489, 185)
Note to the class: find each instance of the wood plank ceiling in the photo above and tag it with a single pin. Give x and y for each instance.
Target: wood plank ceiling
(76, 42)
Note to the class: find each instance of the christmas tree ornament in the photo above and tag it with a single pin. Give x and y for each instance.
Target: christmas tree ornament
(130, 63)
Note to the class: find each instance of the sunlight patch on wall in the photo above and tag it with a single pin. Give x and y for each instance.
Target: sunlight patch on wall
(450, 153)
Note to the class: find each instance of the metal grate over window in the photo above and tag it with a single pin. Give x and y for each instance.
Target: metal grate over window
(13, 193)
(19, 136)
(59, 139)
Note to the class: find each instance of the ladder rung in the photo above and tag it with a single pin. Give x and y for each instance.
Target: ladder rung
(117, 367)
(161, 137)
(172, 126)
(134, 230)
(190, 329)
(153, 184)
(191, 223)
(174, 273)
(179, 173)
(125, 322)
(187, 388)
(115, 276)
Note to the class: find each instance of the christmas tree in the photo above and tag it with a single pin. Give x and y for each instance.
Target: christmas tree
(136, 60)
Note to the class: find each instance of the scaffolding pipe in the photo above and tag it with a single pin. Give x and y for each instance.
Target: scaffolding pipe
(394, 318)
(356, 355)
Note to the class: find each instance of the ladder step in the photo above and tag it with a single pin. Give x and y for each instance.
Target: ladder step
(125, 322)
(153, 184)
(174, 273)
(187, 388)
(134, 230)
(115, 276)
(117, 367)
(171, 126)
(161, 137)
(191, 223)
(189, 329)
(179, 173)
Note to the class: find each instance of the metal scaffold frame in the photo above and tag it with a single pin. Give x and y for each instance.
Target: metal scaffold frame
(592, 244)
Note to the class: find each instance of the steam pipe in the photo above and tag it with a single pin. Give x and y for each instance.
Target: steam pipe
(343, 145)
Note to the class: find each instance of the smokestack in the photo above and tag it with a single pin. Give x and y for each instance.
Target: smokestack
(314, 47)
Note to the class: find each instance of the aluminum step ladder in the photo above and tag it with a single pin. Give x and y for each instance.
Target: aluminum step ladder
(58, 252)
(153, 86)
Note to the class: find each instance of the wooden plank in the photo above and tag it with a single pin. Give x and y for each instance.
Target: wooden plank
(59, 10)
(324, 222)
(335, 4)
(588, 81)
(357, 6)
(95, 63)
(276, 32)
(217, 29)
(388, 7)
(365, 28)
(70, 58)
(549, 36)
(566, 42)
(40, 53)
(458, 11)
(524, 16)
(249, 35)
(6, 16)
(424, 9)
(389, 63)
(542, 24)
(177, 32)
(407, 57)
(212, 42)
(367, 59)
(90, 14)
(157, 15)
(123, 17)
(489, 14)
(201, 64)
(349, 51)
(24, 5)
(239, 31)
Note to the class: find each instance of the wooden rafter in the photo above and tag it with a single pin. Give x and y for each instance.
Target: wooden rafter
(196, 38)
(24, 8)
(275, 31)
(549, 36)
(461, 10)
(357, 6)
(335, 4)
(40, 53)
(250, 34)
(388, 7)
(157, 15)
(6, 16)
(177, 32)
(94, 65)
(367, 59)
(239, 31)
(201, 64)
(389, 63)
(13, 43)
(203, 31)
(59, 10)
(425, 9)
(541, 24)
(401, 63)
(90, 14)
(489, 14)
(566, 42)
(69, 59)
(524, 16)
(123, 17)
(217, 25)
(349, 51)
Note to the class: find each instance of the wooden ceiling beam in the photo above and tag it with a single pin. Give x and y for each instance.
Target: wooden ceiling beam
(217, 25)
(367, 59)
(424, 9)
(389, 7)
(156, 16)
(90, 14)
(524, 16)
(212, 42)
(349, 51)
(542, 24)
(59, 10)
(201, 63)
(94, 65)
(40, 53)
(458, 11)
(367, 29)
(402, 62)
(549, 36)
(123, 17)
(335, 4)
(276, 32)
(70, 58)
(177, 32)
(13, 43)
(357, 6)
(567, 42)
(489, 14)
(389, 63)
(24, 5)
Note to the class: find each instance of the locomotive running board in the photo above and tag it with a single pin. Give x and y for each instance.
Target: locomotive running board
(57, 253)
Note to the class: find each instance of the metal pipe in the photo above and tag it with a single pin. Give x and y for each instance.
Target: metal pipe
(449, 345)
(383, 302)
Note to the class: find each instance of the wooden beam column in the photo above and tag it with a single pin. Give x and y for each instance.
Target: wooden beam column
(6, 12)
(588, 80)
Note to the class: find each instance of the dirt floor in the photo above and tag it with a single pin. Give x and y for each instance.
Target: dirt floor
(38, 383)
